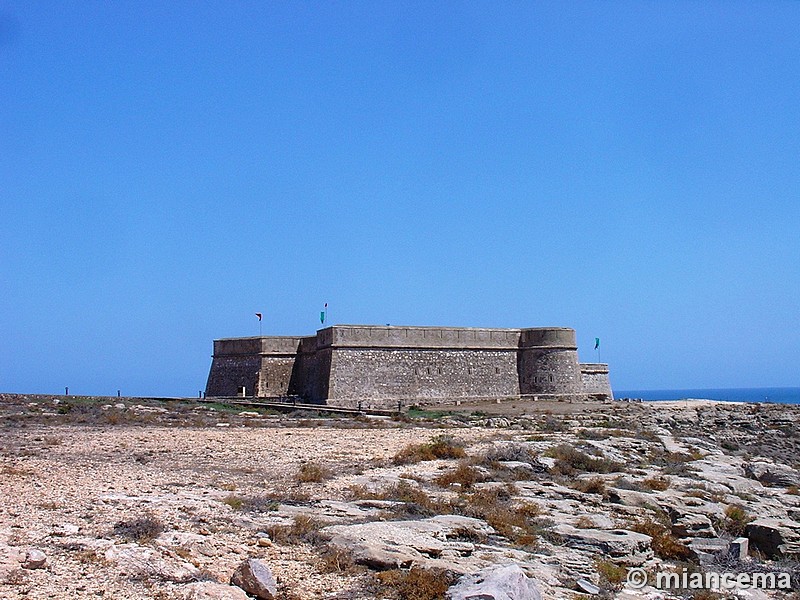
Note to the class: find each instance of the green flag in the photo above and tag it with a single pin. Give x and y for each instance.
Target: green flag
(596, 343)
(322, 316)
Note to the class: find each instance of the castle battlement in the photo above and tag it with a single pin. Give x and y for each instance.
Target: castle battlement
(381, 366)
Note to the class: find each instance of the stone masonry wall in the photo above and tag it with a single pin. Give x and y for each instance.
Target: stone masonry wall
(381, 377)
(352, 365)
(230, 373)
(550, 371)
(595, 381)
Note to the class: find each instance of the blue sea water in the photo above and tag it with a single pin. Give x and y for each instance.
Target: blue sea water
(786, 395)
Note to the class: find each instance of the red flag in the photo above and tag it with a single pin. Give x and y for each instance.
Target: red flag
(259, 316)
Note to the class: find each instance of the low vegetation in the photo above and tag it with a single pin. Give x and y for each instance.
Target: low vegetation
(415, 584)
(570, 461)
(664, 544)
(612, 575)
(735, 520)
(312, 472)
(302, 529)
(142, 529)
(443, 446)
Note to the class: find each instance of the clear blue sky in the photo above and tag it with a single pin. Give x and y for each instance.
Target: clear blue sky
(167, 169)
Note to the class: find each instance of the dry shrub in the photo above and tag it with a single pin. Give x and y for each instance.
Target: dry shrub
(303, 529)
(336, 560)
(234, 501)
(519, 523)
(416, 584)
(595, 485)
(736, 519)
(311, 472)
(141, 529)
(443, 446)
(464, 475)
(584, 522)
(513, 451)
(570, 460)
(611, 574)
(664, 544)
(793, 490)
(656, 484)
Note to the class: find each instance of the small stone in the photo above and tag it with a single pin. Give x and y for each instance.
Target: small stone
(34, 559)
(207, 590)
(255, 578)
(739, 548)
(587, 586)
(264, 542)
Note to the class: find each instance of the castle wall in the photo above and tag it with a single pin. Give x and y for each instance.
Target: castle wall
(548, 363)
(596, 382)
(231, 373)
(262, 365)
(374, 366)
(384, 377)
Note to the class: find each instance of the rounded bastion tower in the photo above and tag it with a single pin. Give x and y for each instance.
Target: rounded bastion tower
(548, 363)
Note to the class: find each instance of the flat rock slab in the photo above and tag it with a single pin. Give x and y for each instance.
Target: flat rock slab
(772, 474)
(504, 582)
(775, 538)
(622, 546)
(392, 544)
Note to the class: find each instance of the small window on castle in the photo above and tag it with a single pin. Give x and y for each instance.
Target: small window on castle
(428, 370)
(439, 370)
(497, 370)
(470, 371)
(416, 371)
(551, 379)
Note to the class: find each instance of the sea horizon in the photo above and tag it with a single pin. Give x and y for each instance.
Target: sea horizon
(778, 395)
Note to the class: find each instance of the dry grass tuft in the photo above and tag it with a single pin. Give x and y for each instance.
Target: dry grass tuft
(736, 519)
(793, 490)
(303, 529)
(311, 472)
(612, 575)
(443, 446)
(464, 475)
(595, 485)
(520, 523)
(664, 544)
(141, 529)
(416, 584)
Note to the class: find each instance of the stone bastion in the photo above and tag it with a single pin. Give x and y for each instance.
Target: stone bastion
(371, 366)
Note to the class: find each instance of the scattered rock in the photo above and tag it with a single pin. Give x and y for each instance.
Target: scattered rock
(775, 538)
(587, 586)
(506, 582)
(207, 590)
(693, 525)
(620, 545)
(772, 474)
(34, 559)
(393, 544)
(255, 578)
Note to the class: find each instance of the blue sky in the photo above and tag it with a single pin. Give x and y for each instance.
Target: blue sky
(629, 169)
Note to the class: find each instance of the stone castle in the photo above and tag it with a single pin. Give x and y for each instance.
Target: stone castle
(368, 366)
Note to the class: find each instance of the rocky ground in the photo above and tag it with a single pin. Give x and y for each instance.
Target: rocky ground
(146, 499)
